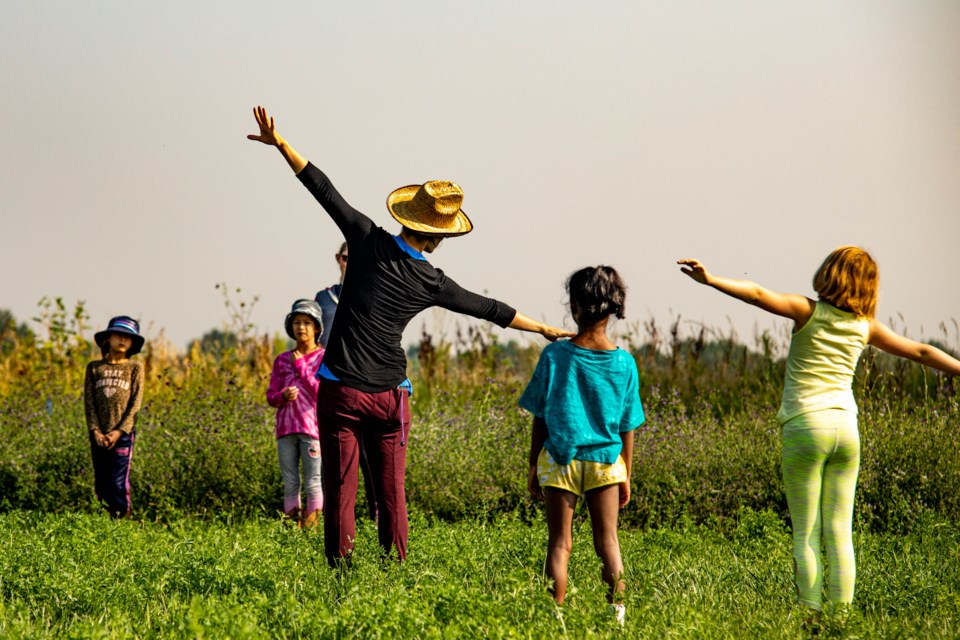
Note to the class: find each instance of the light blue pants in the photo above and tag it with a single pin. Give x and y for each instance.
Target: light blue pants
(294, 450)
(821, 459)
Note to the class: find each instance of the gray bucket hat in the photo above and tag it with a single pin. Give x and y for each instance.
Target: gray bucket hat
(307, 308)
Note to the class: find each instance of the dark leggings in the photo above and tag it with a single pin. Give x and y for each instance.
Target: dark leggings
(111, 474)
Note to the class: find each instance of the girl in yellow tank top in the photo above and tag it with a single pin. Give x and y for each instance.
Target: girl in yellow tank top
(821, 444)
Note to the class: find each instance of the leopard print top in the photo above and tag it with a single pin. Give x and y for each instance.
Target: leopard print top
(112, 394)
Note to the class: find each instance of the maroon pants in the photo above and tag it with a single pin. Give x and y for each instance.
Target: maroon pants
(381, 421)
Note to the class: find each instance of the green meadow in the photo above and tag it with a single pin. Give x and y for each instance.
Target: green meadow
(83, 575)
(706, 537)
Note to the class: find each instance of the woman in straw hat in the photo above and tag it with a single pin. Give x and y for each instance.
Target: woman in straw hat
(364, 393)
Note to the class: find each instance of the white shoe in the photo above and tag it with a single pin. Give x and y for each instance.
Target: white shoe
(619, 612)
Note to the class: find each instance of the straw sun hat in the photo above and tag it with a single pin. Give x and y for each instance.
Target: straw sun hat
(432, 208)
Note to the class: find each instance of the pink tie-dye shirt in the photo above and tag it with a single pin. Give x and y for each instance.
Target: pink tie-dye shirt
(300, 415)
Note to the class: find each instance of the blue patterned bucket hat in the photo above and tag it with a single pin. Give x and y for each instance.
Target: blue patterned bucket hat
(125, 325)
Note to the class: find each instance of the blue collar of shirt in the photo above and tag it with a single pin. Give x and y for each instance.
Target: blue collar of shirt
(410, 251)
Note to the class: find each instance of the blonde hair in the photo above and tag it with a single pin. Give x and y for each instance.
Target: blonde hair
(849, 279)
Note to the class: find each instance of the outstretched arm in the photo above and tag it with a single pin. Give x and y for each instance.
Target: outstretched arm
(526, 323)
(268, 135)
(351, 222)
(882, 337)
(789, 305)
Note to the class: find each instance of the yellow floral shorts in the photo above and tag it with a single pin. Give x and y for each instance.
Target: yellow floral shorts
(579, 476)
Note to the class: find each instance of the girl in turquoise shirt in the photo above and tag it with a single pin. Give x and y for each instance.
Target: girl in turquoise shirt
(585, 399)
(821, 444)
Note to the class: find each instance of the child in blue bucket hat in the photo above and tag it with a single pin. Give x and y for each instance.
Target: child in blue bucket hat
(112, 393)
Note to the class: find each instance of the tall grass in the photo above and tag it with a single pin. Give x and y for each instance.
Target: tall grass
(710, 445)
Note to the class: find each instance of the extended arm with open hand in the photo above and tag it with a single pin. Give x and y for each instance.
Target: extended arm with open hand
(526, 323)
(796, 307)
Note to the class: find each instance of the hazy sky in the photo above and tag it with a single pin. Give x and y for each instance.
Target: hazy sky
(756, 136)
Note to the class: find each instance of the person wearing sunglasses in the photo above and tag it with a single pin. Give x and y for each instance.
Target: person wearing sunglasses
(329, 298)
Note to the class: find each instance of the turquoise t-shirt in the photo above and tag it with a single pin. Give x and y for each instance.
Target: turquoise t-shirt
(587, 398)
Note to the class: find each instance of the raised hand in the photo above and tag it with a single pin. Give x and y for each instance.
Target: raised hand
(696, 270)
(268, 133)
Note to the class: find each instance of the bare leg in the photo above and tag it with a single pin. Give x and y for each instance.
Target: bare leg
(560, 505)
(604, 506)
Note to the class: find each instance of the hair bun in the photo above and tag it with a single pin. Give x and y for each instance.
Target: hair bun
(598, 292)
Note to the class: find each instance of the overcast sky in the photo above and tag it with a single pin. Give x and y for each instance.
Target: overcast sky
(756, 136)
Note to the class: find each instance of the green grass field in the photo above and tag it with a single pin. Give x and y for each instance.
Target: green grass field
(705, 538)
(83, 575)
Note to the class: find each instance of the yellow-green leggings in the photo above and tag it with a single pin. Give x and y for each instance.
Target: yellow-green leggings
(821, 459)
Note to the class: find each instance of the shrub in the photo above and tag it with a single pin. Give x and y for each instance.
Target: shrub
(710, 446)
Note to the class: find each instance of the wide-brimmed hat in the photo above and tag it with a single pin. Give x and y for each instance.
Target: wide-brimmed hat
(307, 308)
(125, 325)
(431, 208)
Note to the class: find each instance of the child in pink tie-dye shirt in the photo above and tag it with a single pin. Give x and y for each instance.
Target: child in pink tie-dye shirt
(293, 391)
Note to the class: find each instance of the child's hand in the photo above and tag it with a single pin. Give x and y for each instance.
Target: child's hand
(533, 484)
(99, 439)
(111, 438)
(696, 271)
(624, 493)
(290, 394)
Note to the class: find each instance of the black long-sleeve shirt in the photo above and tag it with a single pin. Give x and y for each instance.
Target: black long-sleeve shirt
(384, 288)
